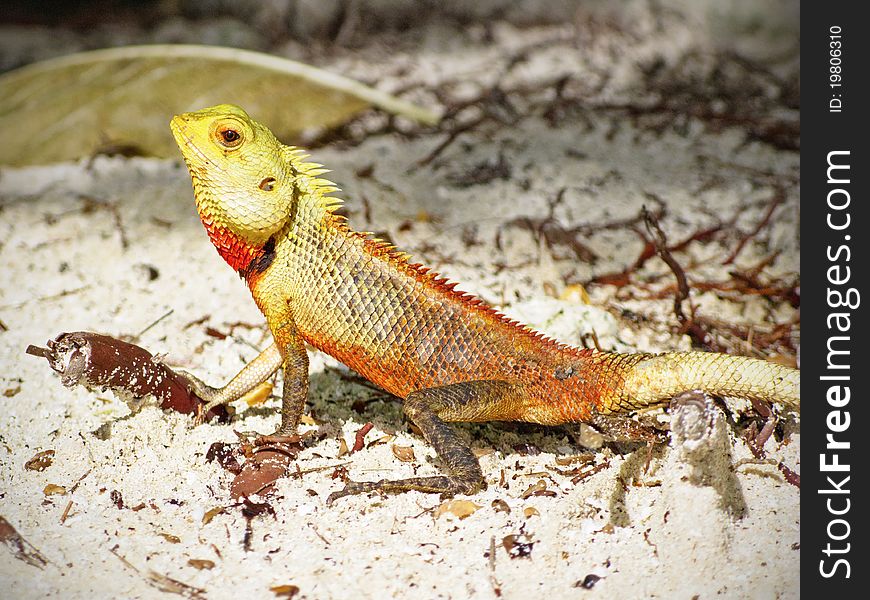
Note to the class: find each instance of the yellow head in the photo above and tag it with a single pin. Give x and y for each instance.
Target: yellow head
(241, 179)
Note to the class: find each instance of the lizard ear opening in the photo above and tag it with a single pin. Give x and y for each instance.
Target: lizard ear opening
(268, 184)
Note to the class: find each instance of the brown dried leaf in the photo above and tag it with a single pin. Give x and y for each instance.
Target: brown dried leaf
(12, 391)
(264, 467)
(306, 420)
(342, 448)
(515, 548)
(531, 511)
(457, 508)
(501, 506)
(54, 490)
(381, 440)
(201, 563)
(258, 395)
(172, 539)
(540, 486)
(40, 461)
(211, 514)
(404, 453)
(285, 591)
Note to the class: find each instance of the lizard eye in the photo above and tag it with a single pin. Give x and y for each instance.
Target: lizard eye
(229, 137)
(268, 184)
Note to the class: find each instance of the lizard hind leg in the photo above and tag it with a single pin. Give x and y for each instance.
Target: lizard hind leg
(431, 410)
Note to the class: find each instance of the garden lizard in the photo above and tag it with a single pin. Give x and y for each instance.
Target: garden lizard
(448, 355)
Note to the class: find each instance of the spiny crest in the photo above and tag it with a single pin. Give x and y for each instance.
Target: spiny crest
(312, 170)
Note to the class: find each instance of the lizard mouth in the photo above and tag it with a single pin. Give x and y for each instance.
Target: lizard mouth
(193, 156)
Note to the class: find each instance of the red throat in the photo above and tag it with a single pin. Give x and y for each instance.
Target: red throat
(238, 253)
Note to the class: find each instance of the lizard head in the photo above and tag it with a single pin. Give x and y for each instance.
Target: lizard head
(242, 179)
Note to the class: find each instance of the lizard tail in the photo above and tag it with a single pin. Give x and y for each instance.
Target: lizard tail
(656, 378)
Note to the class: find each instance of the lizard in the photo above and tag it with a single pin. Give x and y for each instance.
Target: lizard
(447, 354)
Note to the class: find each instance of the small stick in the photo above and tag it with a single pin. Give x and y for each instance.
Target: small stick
(661, 246)
(777, 199)
(20, 547)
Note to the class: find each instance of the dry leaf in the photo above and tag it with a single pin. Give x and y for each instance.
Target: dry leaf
(258, 395)
(201, 563)
(457, 508)
(40, 461)
(517, 549)
(404, 453)
(531, 511)
(54, 490)
(575, 293)
(540, 486)
(501, 506)
(211, 514)
(306, 420)
(381, 440)
(342, 448)
(172, 539)
(74, 106)
(285, 591)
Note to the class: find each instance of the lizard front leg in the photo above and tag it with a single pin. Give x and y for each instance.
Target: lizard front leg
(431, 409)
(294, 360)
(253, 374)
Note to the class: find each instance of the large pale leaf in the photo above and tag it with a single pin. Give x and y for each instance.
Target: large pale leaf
(69, 107)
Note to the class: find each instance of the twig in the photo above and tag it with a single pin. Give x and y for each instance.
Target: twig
(163, 582)
(69, 504)
(777, 199)
(756, 441)
(136, 337)
(20, 547)
(661, 246)
(493, 580)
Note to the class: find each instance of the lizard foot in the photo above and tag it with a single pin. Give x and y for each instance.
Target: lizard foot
(283, 435)
(439, 484)
(204, 392)
(277, 438)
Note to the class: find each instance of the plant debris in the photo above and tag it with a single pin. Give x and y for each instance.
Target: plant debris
(516, 548)
(101, 362)
(40, 461)
(457, 508)
(403, 453)
(20, 547)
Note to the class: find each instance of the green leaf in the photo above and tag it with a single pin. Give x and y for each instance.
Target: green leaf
(74, 106)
